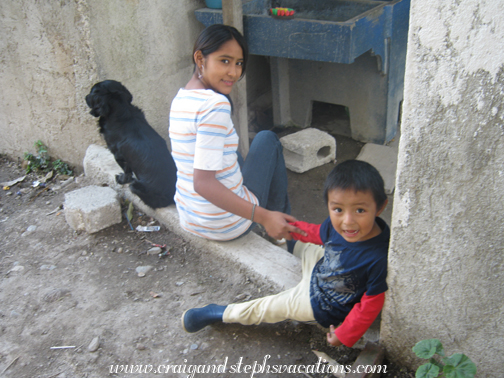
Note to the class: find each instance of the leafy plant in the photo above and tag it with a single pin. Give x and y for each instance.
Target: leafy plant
(456, 366)
(42, 161)
(61, 167)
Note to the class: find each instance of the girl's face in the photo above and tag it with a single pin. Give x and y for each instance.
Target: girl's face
(222, 68)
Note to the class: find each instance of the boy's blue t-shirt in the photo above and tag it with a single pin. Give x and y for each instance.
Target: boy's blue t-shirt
(346, 272)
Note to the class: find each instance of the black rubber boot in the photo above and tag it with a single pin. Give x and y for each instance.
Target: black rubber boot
(198, 318)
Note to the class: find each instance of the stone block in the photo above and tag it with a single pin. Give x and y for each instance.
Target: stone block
(100, 165)
(307, 149)
(384, 159)
(92, 208)
(369, 362)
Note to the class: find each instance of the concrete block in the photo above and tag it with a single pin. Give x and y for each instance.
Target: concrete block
(384, 159)
(307, 149)
(368, 364)
(92, 208)
(100, 165)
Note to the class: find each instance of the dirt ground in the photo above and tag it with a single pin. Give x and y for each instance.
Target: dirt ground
(73, 304)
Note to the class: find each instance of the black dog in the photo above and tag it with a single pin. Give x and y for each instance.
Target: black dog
(136, 146)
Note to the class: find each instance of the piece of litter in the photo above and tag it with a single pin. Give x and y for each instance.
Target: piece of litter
(63, 347)
(55, 210)
(94, 344)
(12, 183)
(47, 177)
(154, 251)
(148, 228)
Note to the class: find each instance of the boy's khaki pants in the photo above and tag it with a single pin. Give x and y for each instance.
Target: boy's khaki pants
(293, 304)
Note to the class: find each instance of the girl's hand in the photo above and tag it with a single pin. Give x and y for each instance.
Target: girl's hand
(277, 224)
(332, 338)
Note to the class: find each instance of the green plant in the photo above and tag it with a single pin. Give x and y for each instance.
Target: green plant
(62, 167)
(456, 366)
(42, 161)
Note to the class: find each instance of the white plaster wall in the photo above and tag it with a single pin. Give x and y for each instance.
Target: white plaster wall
(446, 258)
(52, 52)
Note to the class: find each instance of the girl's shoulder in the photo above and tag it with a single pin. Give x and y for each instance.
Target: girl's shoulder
(203, 95)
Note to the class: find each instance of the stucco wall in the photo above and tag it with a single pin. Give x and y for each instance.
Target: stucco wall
(446, 274)
(52, 52)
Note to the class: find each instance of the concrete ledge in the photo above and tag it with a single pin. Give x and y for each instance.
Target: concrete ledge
(261, 258)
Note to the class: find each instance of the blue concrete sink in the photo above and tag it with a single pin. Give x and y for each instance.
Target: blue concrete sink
(335, 31)
(345, 52)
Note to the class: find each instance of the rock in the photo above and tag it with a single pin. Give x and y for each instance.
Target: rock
(194, 346)
(29, 230)
(142, 270)
(140, 346)
(55, 295)
(94, 344)
(242, 296)
(47, 267)
(154, 251)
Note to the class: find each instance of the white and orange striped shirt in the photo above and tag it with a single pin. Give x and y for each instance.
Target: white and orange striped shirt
(203, 137)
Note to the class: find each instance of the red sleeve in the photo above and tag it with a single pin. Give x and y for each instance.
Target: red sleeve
(360, 318)
(313, 231)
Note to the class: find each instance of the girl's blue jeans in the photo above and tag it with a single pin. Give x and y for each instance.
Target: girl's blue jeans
(265, 175)
(264, 172)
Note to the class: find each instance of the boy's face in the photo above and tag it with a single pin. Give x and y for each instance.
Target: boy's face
(353, 214)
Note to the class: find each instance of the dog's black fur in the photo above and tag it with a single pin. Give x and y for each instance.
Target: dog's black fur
(136, 146)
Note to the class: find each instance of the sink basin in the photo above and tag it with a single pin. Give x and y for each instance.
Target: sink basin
(345, 52)
(335, 31)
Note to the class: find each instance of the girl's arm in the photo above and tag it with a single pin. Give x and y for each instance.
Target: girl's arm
(276, 223)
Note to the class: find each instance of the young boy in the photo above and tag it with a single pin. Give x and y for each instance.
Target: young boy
(343, 282)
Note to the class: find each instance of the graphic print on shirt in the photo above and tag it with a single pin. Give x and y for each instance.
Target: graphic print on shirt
(335, 285)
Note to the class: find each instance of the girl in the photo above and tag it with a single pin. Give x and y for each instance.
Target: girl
(218, 195)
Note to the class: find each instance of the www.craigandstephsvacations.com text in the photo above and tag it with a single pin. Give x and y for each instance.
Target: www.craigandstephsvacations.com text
(263, 367)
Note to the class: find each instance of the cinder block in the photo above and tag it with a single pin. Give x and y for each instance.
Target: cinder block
(100, 165)
(307, 149)
(92, 208)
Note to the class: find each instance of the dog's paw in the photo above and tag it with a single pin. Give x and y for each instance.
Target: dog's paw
(124, 178)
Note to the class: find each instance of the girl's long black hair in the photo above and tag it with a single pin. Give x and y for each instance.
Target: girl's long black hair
(213, 37)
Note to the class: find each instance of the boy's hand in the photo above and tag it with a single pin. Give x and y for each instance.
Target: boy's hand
(332, 338)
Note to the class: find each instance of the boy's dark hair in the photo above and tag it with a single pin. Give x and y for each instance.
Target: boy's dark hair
(359, 176)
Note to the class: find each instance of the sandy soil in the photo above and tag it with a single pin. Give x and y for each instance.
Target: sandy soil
(73, 305)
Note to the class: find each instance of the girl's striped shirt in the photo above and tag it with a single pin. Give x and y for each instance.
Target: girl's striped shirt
(203, 137)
